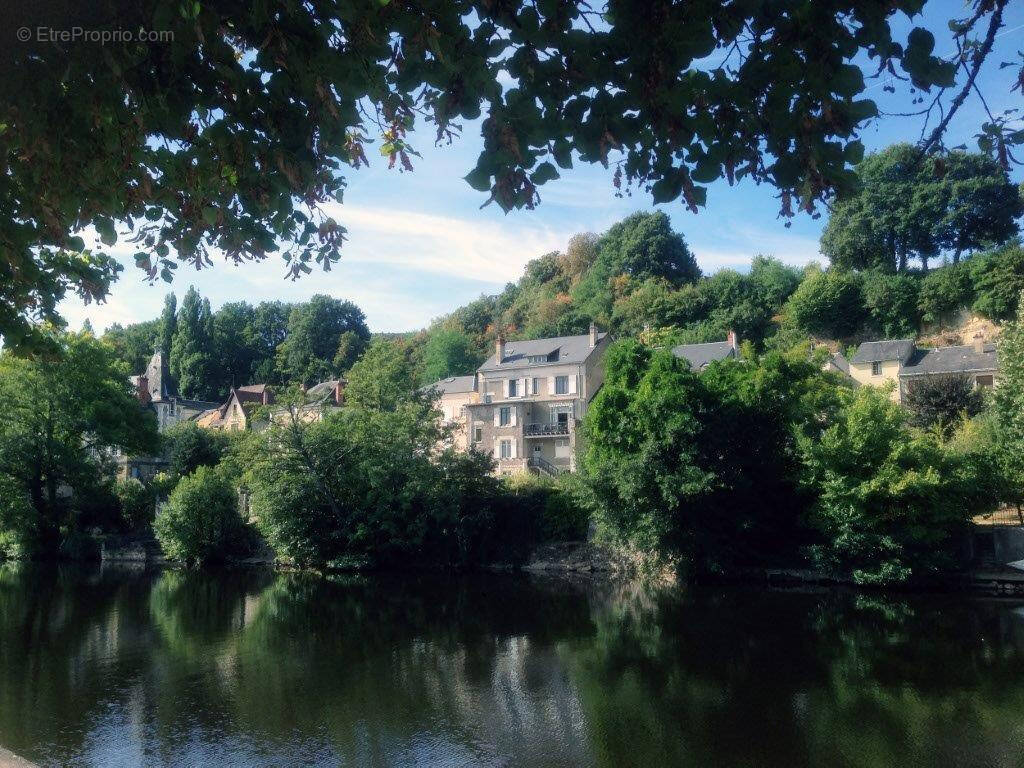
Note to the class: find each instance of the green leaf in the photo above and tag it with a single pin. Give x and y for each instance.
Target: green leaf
(479, 179)
(545, 172)
(210, 215)
(105, 227)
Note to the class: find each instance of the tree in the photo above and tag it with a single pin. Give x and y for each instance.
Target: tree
(889, 503)
(199, 523)
(892, 304)
(448, 352)
(133, 344)
(950, 202)
(944, 291)
(315, 330)
(136, 502)
(1008, 408)
(61, 417)
(168, 324)
(641, 246)
(998, 278)
(270, 329)
(187, 447)
(230, 148)
(828, 304)
(382, 379)
(193, 359)
(942, 401)
(234, 341)
(699, 467)
(773, 282)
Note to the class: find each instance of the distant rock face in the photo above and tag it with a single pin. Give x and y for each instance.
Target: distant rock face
(959, 330)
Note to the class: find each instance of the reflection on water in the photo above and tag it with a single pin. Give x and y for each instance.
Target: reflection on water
(255, 668)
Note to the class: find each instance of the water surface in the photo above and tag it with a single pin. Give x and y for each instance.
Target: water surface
(114, 667)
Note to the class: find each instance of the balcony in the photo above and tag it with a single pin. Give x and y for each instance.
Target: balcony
(546, 430)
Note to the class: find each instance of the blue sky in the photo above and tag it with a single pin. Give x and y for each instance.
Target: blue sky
(419, 245)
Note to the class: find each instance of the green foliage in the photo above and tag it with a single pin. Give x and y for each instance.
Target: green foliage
(136, 503)
(18, 520)
(199, 523)
(945, 291)
(193, 363)
(60, 418)
(828, 304)
(316, 331)
(447, 352)
(1008, 408)
(889, 502)
(187, 447)
(942, 401)
(998, 278)
(133, 344)
(702, 467)
(892, 304)
(913, 207)
(561, 516)
(168, 326)
(382, 379)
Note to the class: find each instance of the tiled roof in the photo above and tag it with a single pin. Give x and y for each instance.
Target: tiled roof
(570, 349)
(700, 355)
(454, 384)
(883, 351)
(951, 360)
(838, 361)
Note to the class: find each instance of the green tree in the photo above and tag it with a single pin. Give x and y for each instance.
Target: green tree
(187, 447)
(193, 359)
(315, 330)
(133, 344)
(892, 304)
(1008, 408)
(168, 324)
(136, 502)
(641, 246)
(942, 401)
(270, 329)
(945, 291)
(61, 416)
(909, 207)
(199, 523)
(998, 279)
(234, 342)
(889, 503)
(773, 282)
(828, 304)
(448, 352)
(230, 148)
(382, 379)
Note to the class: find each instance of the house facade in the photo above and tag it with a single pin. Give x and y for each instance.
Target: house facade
(232, 416)
(900, 363)
(525, 403)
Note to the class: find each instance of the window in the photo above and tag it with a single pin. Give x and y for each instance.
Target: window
(513, 387)
(561, 385)
(478, 434)
(505, 449)
(876, 368)
(504, 416)
(535, 388)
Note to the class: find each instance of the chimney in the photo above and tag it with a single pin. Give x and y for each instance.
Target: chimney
(979, 343)
(734, 342)
(593, 334)
(499, 349)
(142, 390)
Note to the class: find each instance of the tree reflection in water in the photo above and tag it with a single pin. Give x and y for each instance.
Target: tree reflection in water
(250, 667)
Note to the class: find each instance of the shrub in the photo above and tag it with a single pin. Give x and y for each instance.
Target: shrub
(188, 447)
(828, 304)
(942, 401)
(944, 291)
(891, 301)
(200, 522)
(559, 515)
(135, 501)
(998, 278)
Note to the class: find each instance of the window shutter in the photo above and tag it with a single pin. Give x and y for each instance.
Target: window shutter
(504, 388)
(497, 415)
(497, 448)
(515, 452)
(513, 416)
(551, 385)
(572, 384)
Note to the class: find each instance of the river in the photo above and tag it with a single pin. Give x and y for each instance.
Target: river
(112, 667)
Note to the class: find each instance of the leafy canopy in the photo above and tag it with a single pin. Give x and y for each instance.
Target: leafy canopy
(232, 131)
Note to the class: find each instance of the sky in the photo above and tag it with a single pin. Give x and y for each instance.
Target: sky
(419, 245)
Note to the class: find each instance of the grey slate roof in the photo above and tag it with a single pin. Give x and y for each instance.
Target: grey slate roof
(838, 361)
(453, 385)
(882, 351)
(700, 355)
(322, 391)
(951, 360)
(571, 349)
